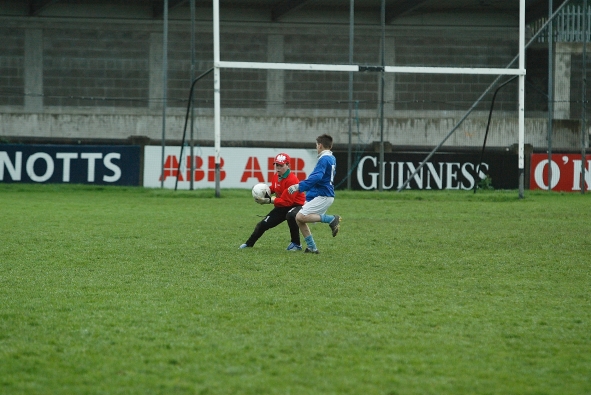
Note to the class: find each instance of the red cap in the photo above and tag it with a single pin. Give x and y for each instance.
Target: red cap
(282, 159)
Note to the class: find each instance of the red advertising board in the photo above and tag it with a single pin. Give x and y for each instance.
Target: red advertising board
(566, 172)
(239, 167)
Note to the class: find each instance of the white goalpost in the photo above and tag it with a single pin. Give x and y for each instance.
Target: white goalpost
(519, 71)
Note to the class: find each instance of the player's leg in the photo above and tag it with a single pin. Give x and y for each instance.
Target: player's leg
(333, 221)
(315, 211)
(294, 229)
(256, 234)
(274, 218)
(305, 229)
(311, 212)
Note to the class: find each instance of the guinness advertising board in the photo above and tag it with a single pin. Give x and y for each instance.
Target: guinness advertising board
(442, 171)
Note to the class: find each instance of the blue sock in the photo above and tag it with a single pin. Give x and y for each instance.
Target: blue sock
(326, 219)
(310, 243)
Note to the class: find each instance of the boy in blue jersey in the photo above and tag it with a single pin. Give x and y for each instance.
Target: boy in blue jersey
(319, 188)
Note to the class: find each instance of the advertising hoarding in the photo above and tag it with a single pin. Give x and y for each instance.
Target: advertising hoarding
(244, 167)
(566, 172)
(442, 171)
(239, 167)
(85, 164)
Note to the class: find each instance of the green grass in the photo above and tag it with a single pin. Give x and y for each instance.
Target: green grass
(136, 291)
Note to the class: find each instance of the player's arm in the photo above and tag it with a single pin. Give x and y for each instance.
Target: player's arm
(267, 199)
(286, 199)
(314, 178)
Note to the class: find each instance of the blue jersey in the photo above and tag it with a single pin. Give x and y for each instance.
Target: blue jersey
(321, 181)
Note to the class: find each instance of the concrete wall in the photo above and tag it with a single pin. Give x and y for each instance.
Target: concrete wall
(86, 78)
(290, 131)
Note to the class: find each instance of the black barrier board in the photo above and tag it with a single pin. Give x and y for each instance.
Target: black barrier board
(443, 170)
(104, 165)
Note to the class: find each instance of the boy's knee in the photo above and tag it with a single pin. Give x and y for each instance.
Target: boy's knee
(300, 218)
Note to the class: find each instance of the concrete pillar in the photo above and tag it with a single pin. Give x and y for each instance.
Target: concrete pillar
(562, 76)
(156, 84)
(275, 78)
(389, 78)
(33, 70)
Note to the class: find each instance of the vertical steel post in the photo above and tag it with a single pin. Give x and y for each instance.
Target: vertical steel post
(192, 141)
(216, 93)
(164, 82)
(351, 47)
(521, 149)
(584, 101)
(550, 90)
(383, 55)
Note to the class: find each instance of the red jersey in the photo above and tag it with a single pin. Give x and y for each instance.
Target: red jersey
(282, 196)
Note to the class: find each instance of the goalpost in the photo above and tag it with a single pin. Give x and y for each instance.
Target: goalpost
(519, 71)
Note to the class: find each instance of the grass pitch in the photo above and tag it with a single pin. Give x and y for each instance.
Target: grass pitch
(135, 291)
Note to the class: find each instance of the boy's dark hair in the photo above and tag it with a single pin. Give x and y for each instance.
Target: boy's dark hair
(325, 140)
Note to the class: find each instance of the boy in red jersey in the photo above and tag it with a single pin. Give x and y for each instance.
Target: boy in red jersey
(286, 205)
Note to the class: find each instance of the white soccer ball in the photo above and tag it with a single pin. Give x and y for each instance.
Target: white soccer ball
(260, 190)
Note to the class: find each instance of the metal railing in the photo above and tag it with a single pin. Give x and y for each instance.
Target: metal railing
(568, 25)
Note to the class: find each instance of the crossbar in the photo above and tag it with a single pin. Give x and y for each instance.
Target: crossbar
(365, 68)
